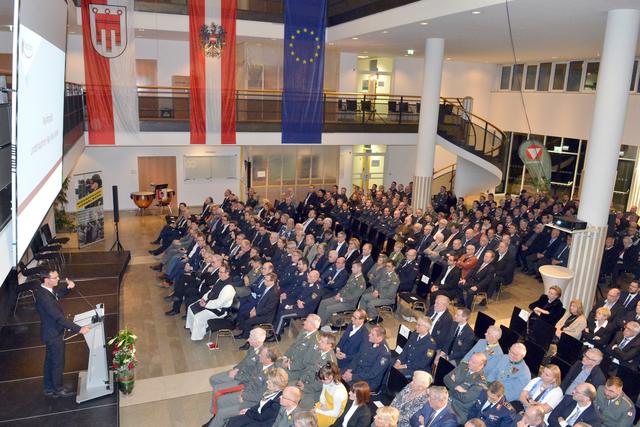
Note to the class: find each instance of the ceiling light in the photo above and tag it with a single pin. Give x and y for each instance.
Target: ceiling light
(363, 56)
(476, 12)
(354, 38)
(406, 54)
(410, 51)
(385, 32)
(449, 59)
(331, 43)
(424, 23)
(554, 57)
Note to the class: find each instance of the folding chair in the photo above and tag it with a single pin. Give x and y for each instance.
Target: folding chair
(483, 321)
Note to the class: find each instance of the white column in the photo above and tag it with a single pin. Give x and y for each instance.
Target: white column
(428, 127)
(603, 147)
(345, 174)
(634, 191)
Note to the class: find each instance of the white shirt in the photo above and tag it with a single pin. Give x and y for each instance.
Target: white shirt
(551, 397)
(339, 394)
(266, 399)
(349, 414)
(50, 290)
(224, 300)
(577, 410)
(354, 330)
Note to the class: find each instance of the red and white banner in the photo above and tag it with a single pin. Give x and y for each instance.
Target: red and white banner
(212, 78)
(110, 70)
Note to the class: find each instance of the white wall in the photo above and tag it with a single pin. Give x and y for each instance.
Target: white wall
(120, 167)
(172, 57)
(6, 254)
(6, 42)
(400, 162)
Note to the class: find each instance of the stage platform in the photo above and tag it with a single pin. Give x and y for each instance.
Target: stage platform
(98, 276)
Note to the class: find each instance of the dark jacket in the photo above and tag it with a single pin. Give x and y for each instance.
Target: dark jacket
(566, 406)
(360, 418)
(556, 309)
(253, 418)
(267, 306)
(450, 285)
(351, 346)
(596, 377)
(465, 340)
(442, 328)
(52, 319)
(501, 414)
(627, 356)
(446, 418)
(601, 338)
(480, 278)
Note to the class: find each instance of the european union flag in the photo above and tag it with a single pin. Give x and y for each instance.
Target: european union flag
(302, 106)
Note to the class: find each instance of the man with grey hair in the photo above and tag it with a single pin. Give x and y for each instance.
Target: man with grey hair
(585, 370)
(465, 383)
(511, 371)
(289, 400)
(533, 417)
(436, 412)
(624, 350)
(576, 408)
(306, 341)
(490, 346)
(247, 367)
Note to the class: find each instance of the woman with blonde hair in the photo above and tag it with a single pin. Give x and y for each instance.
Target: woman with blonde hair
(386, 416)
(573, 322)
(599, 330)
(544, 391)
(333, 397)
(412, 397)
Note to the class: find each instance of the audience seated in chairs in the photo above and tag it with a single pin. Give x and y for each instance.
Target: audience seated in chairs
(305, 342)
(412, 397)
(613, 406)
(461, 338)
(381, 293)
(436, 409)
(301, 301)
(277, 398)
(543, 391)
(573, 322)
(576, 408)
(419, 351)
(493, 408)
(624, 350)
(346, 299)
(357, 412)
(533, 416)
(548, 307)
(333, 397)
(479, 278)
(465, 383)
(371, 363)
(599, 330)
(354, 339)
(511, 371)
(263, 312)
(441, 321)
(489, 346)
(386, 416)
(585, 370)
(447, 283)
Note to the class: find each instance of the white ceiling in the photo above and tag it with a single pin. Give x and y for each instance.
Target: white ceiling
(542, 30)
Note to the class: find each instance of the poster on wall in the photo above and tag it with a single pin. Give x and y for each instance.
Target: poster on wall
(89, 208)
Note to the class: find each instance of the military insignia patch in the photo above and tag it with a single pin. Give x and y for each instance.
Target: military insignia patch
(617, 403)
(383, 360)
(314, 295)
(430, 353)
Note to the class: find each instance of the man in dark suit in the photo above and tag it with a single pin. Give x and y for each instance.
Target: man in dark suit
(53, 323)
(408, 272)
(479, 278)
(576, 408)
(354, 340)
(264, 310)
(534, 243)
(447, 283)
(504, 265)
(631, 297)
(493, 408)
(461, 338)
(335, 279)
(585, 370)
(624, 350)
(609, 257)
(436, 412)
(366, 259)
(612, 302)
(546, 253)
(626, 262)
(441, 320)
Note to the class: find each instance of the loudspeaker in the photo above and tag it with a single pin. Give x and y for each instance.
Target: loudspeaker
(116, 210)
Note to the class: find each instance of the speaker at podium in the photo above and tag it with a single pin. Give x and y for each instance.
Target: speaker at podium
(97, 380)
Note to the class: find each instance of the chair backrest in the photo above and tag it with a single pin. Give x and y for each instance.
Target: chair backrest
(631, 382)
(443, 368)
(507, 339)
(352, 105)
(396, 381)
(402, 337)
(483, 321)
(517, 324)
(534, 357)
(569, 348)
(366, 105)
(393, 106)
(404, 107)
(540, 332)
(563, 365)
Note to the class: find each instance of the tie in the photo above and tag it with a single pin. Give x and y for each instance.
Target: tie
(624, 342)
(574, 416)
(431, 417)
(453, 341)
(487, 405)
(628, 300)
(446, 274)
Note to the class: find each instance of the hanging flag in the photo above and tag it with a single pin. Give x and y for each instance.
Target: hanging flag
(302, 103)
(110, 70)
(212, 62)
(537, 161)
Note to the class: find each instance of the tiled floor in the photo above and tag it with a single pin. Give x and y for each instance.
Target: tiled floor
(173, 372)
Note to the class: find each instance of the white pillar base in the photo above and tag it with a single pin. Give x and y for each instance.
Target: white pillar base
(584, 260)
(421, 192)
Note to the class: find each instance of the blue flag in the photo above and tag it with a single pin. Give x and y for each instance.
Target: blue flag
(302, 103)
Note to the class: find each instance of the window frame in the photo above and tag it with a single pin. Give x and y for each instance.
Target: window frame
(524, 77)
(502, 67)
(552, 78)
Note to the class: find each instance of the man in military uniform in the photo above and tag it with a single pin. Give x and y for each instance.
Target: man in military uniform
(309, 382)
(511, 371)
(347, 298)
(418, 353)
(246, 369)
(465, 383)
(489, 346)
(613, 405)
(299, 302)
(229, 404)
(371, 364)
(493, 408)
(382, 293)
(293, 359)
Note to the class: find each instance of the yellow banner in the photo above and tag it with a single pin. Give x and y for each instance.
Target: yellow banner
(89, 198)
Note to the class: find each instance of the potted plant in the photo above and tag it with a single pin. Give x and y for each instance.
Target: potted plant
(64, 221)
(124, 359)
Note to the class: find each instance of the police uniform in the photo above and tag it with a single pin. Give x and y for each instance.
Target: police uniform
(618, 412)
(499, 414)
(473, 383)
(387, 288)
(349, 296)
(514, 376)
(370, 365)
(305, 341)
(309, 294)
(418, 354)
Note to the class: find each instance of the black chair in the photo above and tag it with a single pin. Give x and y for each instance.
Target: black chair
(483, 321)
(507, 339)
(540, 332)
(564, 366)
(569, 348)
(401, 339)
(396, 381)
(631, 382)
(50, 240)
(535, 355)
(352, 105)
(393, 106)
(366, 106)
(517, 324)
(441, 371)
(404, 107)
(26, 290)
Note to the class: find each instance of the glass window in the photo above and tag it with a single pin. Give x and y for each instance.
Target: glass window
(633, 75)
(570, 145)
(505, 77)
(275, 169)
(331, 162)
(591, 78)
(304, 165)
(563, 166)
(543, 76)
(554, 144)
(259, 169)
(559, 76)
(516, 82)
(289, 167)
(575, 76)
(530, 78)
(628, 152)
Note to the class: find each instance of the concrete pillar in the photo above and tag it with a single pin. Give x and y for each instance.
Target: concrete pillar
(428, 127)
(634, 191)
(601, 163)
(345, 174)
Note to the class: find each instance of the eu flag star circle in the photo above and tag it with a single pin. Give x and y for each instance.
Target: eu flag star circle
(304, 46)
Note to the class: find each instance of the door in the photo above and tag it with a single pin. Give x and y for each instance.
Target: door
(368, 169)
(158, 170)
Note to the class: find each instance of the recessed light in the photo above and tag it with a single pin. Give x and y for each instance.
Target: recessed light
(424, 23)
(449, 59)
(554, 57)
(409, 51)
(354, 38)
(385, 32)
(476, 12)
(363, 56)
(406, 54)
(331, 43)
